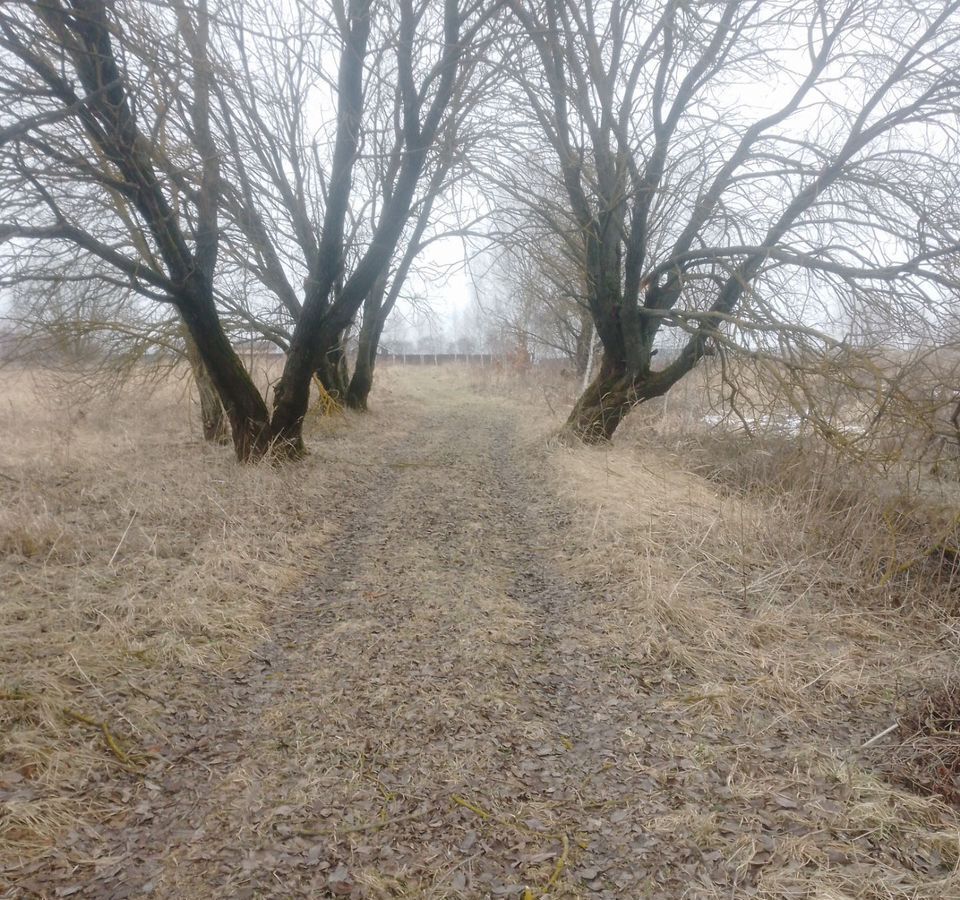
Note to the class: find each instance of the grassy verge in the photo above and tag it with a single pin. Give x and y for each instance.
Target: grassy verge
(793, 608)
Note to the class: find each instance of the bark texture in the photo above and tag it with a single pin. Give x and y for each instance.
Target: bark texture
(216, 428)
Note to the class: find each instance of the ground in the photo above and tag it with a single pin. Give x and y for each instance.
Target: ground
(513, 669)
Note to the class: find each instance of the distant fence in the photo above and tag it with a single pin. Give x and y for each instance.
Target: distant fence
(440, 359)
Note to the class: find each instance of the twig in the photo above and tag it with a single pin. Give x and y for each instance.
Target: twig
(882, 734)
(123, 537)
(111, 741)
(462, 801)
(101, 694)
(561, 862)
(596, 521)
(520, 826)
(826, 671)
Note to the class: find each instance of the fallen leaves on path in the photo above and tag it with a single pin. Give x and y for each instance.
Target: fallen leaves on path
(515, 676)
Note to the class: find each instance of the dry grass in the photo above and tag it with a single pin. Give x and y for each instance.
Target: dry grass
(746, 606)
(794, 600)
(926, 755)
(133, 558)
(784, 605)
(893, 530)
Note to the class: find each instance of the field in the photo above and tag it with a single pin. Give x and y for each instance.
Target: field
(446, 656)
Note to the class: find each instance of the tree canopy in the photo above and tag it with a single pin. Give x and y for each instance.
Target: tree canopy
(779, 178)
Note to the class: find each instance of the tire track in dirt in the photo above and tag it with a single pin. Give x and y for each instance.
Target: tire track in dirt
(433, 717)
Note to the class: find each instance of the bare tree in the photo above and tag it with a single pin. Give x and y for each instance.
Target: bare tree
(535, 291)
(417, 95)
(427, 227)
(65, 311)
(114, 127)
(83, 147)
(740, 220)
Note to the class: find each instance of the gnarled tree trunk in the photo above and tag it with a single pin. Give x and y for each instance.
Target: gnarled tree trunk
(602, 406)
(617, 389)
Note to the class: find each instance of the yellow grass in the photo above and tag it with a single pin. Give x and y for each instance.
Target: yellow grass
(773, 603)
(132, 557)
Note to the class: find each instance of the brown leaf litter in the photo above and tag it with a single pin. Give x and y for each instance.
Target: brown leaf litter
(522, 672)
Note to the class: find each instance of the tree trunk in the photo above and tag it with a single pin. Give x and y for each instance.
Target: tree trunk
(332, 368)
(362, 380)
(615, 391)
(216, 429)
(306, 358)
(242, 402)
(291, 396)
(375, 314)
(601, 407)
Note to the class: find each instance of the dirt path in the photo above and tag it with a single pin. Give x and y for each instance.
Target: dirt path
(446, 712)
(426, 719)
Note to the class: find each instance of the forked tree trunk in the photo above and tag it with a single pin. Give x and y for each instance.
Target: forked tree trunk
(324, 315)
(615, 391)
(216, 429)
(243, 404)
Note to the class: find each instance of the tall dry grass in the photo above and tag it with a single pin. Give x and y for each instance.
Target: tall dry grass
(801, 601)
(889, 521)
(133, 558)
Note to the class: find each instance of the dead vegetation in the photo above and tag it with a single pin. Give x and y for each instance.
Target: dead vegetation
(807, 603)
(926, 752)
(689, 664)
(132, 556)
